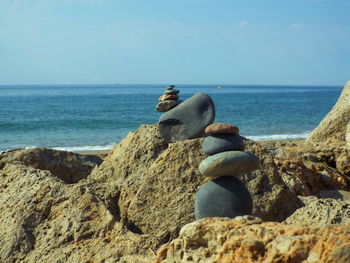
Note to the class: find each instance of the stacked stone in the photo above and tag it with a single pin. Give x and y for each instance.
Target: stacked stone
(169, 100)
(225, 195)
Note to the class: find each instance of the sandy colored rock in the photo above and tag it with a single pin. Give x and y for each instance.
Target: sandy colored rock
(248, 240)
(135, 201)
(333, 127)
(221, 128)
(347, 136)
(43, 219)
(335, 194)
(68, 166)
(157, 192)
(322, 212)
(165, 97)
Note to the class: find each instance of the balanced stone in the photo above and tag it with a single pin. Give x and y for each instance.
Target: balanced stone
(223, 197)
(231, 163)
(173, 91)
(222, 142)
(170, 87)
(168, 97)
(222, 128)
(166, 105)
(188, 120)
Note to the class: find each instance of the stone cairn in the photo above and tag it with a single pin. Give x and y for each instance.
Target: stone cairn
(169, 100)
(225, 195)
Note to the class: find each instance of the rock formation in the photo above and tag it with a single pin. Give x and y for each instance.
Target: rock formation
(321, 212)
(224, 196)
(169, 100)
(248, 240)
(333, 128)
(53, 209)
(188, 120)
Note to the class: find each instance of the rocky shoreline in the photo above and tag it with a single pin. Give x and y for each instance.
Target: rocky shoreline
(137, 203)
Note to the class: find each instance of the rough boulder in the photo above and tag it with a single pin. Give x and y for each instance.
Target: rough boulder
(333, 128)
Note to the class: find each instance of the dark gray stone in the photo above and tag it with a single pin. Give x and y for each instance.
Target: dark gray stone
(188, 120)
(222, 142)
(166, 105)
(170, 87)
(231, 163)
(223, 197)
(172, 92)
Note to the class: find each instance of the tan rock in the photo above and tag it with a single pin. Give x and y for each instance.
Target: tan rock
(43, 219)
(68, 166)
(333, 128)
(165, 97)
(335, 194)
(222, 128)
(245, 239)
(157, 191)
(322, 212)
(347, 136)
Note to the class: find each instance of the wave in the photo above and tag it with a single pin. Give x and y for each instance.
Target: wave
(86, 148)
(277, 137)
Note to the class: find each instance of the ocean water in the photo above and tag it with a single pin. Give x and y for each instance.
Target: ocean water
(95, 117)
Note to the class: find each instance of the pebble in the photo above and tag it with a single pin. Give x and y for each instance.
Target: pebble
(170, 87)
(222, 143)
(172, 91)
(223, 197)
(222, 128)
(168, 97)
(166, 105)
(187, 120)
(231, 163)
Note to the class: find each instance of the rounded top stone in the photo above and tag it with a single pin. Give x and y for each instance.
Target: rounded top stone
(221, 128)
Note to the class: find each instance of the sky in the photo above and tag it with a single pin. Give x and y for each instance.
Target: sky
(259, 42)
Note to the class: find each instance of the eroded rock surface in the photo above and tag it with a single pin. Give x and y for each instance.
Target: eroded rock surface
(68, 166)
(247, 239)
(322, 212)
(136, 200)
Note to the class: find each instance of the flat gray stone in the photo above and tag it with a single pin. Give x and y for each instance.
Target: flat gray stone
(221, 143)
(223, 197)
(188, 120)
(231, 163)
(172, 92)
(170, 87)
(166, 105)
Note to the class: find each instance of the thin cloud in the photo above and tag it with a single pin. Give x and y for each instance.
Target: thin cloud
(243, 23)
(296, 25)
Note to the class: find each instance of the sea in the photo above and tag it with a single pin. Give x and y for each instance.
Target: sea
(96, 117)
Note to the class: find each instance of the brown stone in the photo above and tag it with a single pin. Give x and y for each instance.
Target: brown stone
(165, 97)
(248, 239)
(221, 128)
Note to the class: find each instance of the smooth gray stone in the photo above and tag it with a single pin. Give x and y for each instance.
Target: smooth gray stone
(188, 120)
(172, 92)
(231, 163)
(222, 142)
(166, 105)
(223, 197)
(170, 87)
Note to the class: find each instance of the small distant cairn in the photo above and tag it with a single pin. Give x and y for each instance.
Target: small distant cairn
(225, 195)
(169, 100)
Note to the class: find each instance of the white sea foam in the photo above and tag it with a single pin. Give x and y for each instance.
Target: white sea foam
(86, 148)
(277, 137)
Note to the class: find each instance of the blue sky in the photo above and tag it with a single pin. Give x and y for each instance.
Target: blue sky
(288, 42)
